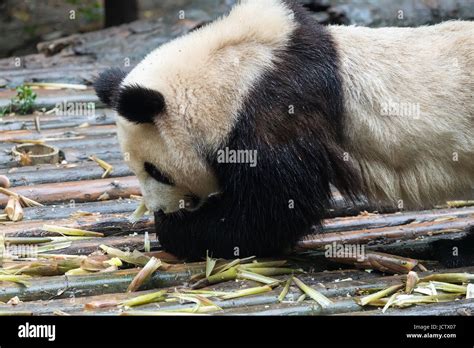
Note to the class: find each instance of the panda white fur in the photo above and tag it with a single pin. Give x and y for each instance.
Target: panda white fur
(315, 103)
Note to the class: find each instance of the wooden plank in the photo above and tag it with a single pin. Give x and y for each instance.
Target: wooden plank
(48, 173)
(111, 224)
(410, 231)
(361, 222)
(97, 131)
(78, 191)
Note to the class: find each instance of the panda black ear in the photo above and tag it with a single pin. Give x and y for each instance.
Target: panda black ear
(139, 104)
(107, 85)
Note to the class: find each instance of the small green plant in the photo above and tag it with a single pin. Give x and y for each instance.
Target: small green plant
(22, 103)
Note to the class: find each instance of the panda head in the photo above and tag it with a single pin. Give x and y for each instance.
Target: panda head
(178, 106)
(157, 144)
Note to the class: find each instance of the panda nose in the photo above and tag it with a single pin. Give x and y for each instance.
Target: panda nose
(192, 201)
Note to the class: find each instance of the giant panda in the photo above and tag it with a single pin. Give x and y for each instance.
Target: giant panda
(316, 105)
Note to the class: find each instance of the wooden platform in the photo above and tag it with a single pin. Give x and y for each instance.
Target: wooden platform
(77, 185)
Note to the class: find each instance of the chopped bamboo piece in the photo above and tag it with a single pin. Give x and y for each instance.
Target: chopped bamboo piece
(408, 300)
(134, 258)
(247, 292)
(457, 278)
(380, 261)
(265, 264)
(146, 243)
(43, 267)
(114, 261)
(101, 304)
(38, 123)
(71, 231)
(19, 279)
(53, 246)
(243, 274)
(95, 263)
(210, 264)
(206, 292)
(459, 204)
(231, 264)
(412, 280)
(199, 300)
(13, 209)
(379, 294)
(77, 272)
(104, 165)
(52, 85)
(390, 301)
(26, 201)
(272, 271)
(301, 298)
(315, 295)
(285, 290)
(144, 299)
(446, 287)
(230, 274)
(138, 213)
(470, 291)
(144, 274)
(80, 213)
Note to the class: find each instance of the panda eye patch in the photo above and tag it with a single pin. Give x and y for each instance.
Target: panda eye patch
(156, 174)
